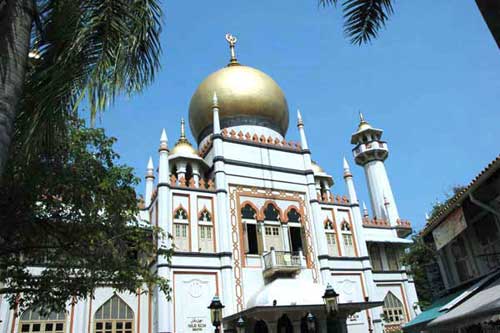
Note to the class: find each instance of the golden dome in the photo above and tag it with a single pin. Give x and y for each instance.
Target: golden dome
(183, 147)
(316, 168)
(246, 96)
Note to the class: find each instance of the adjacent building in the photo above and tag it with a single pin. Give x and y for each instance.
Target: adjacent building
(465, 236)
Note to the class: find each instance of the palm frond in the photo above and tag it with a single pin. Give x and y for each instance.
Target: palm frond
(363, 19)
(93, 51)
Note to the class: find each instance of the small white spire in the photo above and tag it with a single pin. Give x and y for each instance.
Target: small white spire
(365, 210)
(361, 117)
(299, 118)
(215, 100)
(346, 165)
(426, 216)
(150, 164)
(163, 137)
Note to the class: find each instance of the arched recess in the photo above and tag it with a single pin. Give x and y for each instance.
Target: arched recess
(271, 212)
(285, 325)
(180, 213)
(292, 214)
(31, 321)
(393, 310)
(348, 239)
(249, 211)
(114, 316)
(260, 327)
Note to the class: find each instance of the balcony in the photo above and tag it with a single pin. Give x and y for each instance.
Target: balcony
(403, 227)
(282, 263)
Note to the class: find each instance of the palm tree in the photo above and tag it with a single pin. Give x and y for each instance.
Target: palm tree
(363, 19)
(57, 53)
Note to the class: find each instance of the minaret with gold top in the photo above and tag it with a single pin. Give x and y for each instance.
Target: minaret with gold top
(370, 152)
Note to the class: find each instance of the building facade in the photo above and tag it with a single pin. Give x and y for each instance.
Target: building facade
(253, 221)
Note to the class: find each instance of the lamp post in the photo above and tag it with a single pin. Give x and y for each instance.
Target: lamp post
(311, 323)
(331, 300)
(216, 312)
(240, 325)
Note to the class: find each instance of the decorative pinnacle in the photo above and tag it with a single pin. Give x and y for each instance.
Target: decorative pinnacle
(183, 129)
(150, 164)
(361, 117)
(365, 210)
(347, 169)
(215, 100)
(163, 140)
(299, 118)
(426, 216)
(232, 42)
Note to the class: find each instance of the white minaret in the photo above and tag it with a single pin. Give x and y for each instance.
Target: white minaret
(150, 179)
(223, 217)
(164, 307)
(317, 223)
(370, 152)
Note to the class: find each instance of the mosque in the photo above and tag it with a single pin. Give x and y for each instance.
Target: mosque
(256, 229)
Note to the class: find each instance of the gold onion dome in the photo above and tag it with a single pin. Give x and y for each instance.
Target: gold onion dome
(246, 96)
(183, 147)
(316, 168)
(363, 124)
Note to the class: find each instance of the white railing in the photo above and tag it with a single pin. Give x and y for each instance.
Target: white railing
(282, 259)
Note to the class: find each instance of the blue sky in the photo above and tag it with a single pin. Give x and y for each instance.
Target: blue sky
(431, 81)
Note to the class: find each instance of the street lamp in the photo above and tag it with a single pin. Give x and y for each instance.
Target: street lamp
(311, 323)
(331, 300)
(240, 325)
(216, 312)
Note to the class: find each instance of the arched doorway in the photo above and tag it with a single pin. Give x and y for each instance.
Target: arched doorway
(303, 325)
(285, 325)
(260, 327)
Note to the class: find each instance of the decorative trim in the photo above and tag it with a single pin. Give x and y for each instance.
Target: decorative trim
(288, 210)
(236, 191)
(323, 256)
(203, 254)
(218, 268)
(221, 191)
(273, 203)
(163, 184)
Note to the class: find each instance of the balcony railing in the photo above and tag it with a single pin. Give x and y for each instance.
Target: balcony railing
(277, 262)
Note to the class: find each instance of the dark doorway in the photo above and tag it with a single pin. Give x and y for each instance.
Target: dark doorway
(303, 325)
(253, 245)
(296, 238)
(285, 325)
(260, 327)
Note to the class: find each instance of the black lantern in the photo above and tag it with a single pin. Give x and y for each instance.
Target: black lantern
(240, 325)
(331, 300)
(216, 312)
(311, 323)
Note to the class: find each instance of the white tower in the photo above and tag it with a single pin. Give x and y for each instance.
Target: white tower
(370, 152)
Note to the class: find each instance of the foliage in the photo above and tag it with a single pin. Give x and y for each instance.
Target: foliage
(88, 50)
(437, 206)
(363, 19)
(74, 213)
(417, 256)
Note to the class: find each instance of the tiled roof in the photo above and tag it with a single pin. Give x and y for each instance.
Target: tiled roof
(460, 196)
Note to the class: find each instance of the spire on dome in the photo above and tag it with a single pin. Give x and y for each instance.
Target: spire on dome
(299, 119)
(363, 124)
(232, 42)
(215, 100)
(183, 129)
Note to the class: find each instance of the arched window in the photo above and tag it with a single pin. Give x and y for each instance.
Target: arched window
(347, 239)
(180, 230)
(331, 238)
(32, 321)
(205, 231)
(260, 327)
(114, 316)
(285, 325)
(294, 216)
(248, 217)
(393, 310)
(271, 213)
(295, 230)
(273, 237)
